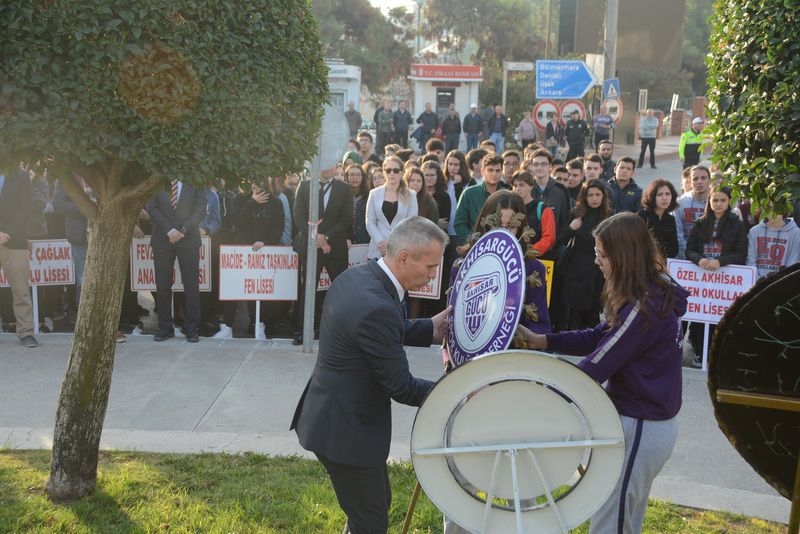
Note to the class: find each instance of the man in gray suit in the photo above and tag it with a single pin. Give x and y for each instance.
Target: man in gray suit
(344, 415)
(177, 215)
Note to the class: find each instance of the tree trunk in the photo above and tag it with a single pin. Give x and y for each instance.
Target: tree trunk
(84, 392)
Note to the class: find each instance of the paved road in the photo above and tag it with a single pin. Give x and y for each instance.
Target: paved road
(239, 395)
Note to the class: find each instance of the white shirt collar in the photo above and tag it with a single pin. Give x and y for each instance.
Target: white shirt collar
(400, 290)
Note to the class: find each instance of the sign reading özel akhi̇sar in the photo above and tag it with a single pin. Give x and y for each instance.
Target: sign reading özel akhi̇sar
(269, 273)
(51, 263)
(143, 277)
(711, 293)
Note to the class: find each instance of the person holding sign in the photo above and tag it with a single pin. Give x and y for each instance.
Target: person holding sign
(718, 238)
(637, 351)
(344, 415)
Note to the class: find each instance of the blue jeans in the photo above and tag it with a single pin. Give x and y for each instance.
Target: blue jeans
(499, 141)
(472, 141)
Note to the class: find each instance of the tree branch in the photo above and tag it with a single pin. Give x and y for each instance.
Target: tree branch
(142, 190)
(79, 197)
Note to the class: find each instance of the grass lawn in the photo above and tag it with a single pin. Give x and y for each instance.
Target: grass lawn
(214, 493)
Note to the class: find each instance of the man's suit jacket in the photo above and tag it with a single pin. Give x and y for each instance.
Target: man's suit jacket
(16, 200)
(337, 219)
(378, 226)
(188, 215)
(345, 412)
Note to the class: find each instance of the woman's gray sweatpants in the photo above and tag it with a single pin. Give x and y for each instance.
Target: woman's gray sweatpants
(648, 446)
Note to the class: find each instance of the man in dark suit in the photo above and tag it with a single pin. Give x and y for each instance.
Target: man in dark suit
(335, 224)
(16, 201)
(344, 415)
(177, 214)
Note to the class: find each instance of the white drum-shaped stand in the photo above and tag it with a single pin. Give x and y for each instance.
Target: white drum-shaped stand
(517, 441)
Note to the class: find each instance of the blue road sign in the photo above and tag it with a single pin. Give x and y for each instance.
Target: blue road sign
(611, 88)
(563, 79)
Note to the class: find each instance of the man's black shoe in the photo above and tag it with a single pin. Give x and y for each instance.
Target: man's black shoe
(163, 335)
(192, 337)
(298, 340)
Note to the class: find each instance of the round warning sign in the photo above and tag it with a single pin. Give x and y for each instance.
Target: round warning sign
(543, 111)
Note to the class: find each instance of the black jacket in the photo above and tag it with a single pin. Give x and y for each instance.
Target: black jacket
(733, 240)
(16, 200)
(664, 230)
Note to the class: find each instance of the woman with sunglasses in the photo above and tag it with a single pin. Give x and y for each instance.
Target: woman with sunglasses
(387, 205)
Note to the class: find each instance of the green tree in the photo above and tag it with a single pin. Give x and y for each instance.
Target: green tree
(754, 101)
(128, 95)
(510, 30)
(359, 34)
(696, 32)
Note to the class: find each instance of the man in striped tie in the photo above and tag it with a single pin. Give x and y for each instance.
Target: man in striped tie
(177, 214)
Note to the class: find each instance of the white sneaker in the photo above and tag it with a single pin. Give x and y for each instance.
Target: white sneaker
(136, 331)
(225, 332)
(260, 331)
(48, 322)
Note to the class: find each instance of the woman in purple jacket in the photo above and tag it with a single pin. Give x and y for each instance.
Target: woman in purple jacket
(637, 351)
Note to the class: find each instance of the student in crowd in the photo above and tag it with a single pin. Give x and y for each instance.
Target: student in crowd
(456, 171)
(636, 352)
(658, 201)
(357, 179)
(773, 243)
(717, 239)
(540, 217)
(580, 283)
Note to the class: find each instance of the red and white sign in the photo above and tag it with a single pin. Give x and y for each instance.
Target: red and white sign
(358, 255)
(355, 256)
(51, 263)
(143, 274)
(543, 111)
(568, 106)
(269, 273)
(433, 288)
(711, 293)
(614, 106)
(421, 71)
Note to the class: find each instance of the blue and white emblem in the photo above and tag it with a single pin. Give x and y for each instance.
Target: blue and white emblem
(487, 297)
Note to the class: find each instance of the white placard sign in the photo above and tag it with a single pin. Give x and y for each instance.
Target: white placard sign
(143, 275)
(355, 256)
(51, 263)
(432, 289)
(711, 293)
(269, 273)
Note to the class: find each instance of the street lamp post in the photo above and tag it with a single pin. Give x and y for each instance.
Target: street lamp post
(419, 24)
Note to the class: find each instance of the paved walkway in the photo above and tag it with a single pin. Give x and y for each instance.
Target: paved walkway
(238, 395)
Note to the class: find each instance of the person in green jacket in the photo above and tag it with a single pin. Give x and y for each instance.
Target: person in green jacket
(472, 199)
(691, 144)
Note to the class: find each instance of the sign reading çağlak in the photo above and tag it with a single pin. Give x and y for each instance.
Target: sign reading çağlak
(487, 297)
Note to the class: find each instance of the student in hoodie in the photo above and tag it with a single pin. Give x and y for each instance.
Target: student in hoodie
(637, 350)
(772, 244)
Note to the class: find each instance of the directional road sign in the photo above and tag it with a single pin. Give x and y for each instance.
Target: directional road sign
(518, 66)
(563, 79)
(611, 88)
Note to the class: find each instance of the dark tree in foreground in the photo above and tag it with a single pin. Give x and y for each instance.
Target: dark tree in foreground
(128, 95)
(754, 97)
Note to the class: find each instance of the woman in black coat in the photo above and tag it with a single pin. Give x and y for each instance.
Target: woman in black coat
(580, 280)
(658, 201)
(718, 238)
(260, 222)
